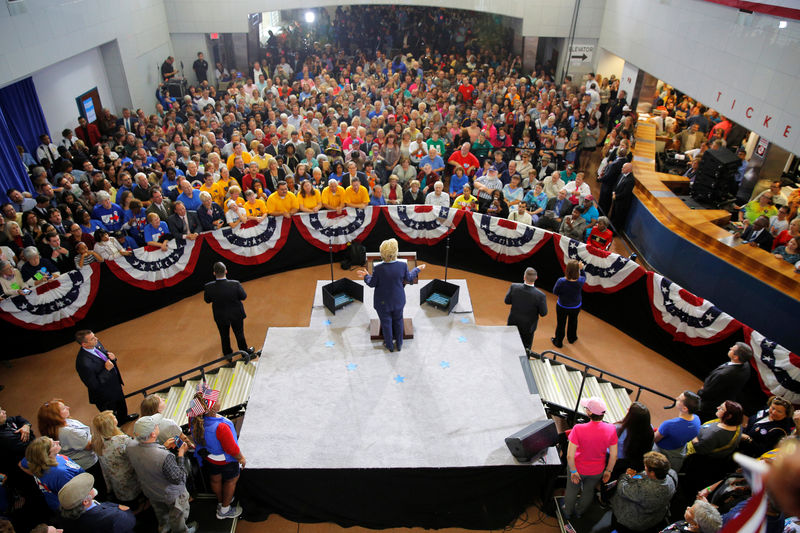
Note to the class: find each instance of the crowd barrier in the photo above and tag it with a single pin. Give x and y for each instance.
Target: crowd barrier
(649, 307)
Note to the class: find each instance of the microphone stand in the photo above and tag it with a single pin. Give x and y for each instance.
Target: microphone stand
(446, 255)
(330, 255)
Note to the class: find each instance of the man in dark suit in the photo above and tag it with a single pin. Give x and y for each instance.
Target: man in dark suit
(527, 304)
(226, 296)
(725, 381)
(159, 205)
(388, 279)
(127, 120)
(80, 511)
(622, 197)
(98, 370)
(757, 234)
(183, 224)
(609, 180)
(558, 206)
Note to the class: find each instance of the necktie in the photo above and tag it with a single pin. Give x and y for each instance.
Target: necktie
(100, 354)
(186, 223)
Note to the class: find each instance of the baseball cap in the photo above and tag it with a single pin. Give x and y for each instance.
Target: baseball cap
(595, 405)
(76, 490)
(144, 426)
(492, 168)
(626, 108)
(589, 198)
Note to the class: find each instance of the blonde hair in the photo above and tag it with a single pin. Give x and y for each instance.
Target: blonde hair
(38, 455)
(389, 249)
(104, 426)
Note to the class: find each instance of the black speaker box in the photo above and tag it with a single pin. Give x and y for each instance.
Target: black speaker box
(527, 443)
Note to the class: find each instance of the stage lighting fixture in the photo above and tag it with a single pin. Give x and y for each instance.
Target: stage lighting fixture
(310, 16)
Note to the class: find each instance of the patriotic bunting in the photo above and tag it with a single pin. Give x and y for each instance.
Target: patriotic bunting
(337, 229)
(505, 240)
(57, 304)
(251, 244)
(151, 268)
(686, 317)
(422, 224)
(778, 368)
(605, 271)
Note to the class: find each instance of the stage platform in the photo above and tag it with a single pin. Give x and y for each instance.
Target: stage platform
(415, 438)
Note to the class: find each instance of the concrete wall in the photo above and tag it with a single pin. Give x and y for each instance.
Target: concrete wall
(608, 63)
(744, 65)
(59, 84)
(185, 47)
(50, 31)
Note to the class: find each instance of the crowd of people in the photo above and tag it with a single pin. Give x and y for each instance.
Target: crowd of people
(375, 118)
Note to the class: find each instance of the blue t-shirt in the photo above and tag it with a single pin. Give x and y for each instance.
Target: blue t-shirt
(193, 203)
(153, 234)
(112, 218)
(457, 183)
(676, 432)
(55, 478)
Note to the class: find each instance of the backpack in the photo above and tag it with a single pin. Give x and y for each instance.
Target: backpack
(355, 256)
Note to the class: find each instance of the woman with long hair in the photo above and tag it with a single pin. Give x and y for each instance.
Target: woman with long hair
(74, 437)
(569, 291)
(51, 469)
(635, 438)
(217, 445)
(110, 443)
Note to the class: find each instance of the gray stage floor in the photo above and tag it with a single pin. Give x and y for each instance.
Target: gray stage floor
(326, 396)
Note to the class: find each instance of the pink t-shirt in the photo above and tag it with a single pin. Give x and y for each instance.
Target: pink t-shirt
(592, 441)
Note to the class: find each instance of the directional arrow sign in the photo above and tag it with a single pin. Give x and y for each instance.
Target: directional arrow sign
(581, 54)
(581, 57)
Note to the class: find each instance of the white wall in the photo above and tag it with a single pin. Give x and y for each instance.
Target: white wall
(51, 31)
(185, 47)
(746, 67)
(608, 63)
(58, 85)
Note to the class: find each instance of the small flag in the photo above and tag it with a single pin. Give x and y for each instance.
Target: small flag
(196, 408)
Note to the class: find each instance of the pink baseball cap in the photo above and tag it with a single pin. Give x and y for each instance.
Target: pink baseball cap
(595, 405)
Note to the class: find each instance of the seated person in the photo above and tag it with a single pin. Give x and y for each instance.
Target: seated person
(766, 428)
(376, 198)
(333, 196)
(574, 225)
(521, 214)
(497, 205)
(156, 233)
(414, 194)
(52, 249)
(600, 236)
(757, 208)
(700, 517)
(309, 199)
(256, 207)
(557, 208)
(513, 192)
(11, 281)
(84, 256)
(673, 434)
(355, 195)
(437, 196)
(37, 269)
(282, 202)
(392, 191)
(210, 213)
(184, 224)
(82, 513)
(552, 184)
(108, 246)
(757, 234)
(235, 214)
(642, 498)
(465, 200)
(536, 200)
(457, 182)
(789, 252)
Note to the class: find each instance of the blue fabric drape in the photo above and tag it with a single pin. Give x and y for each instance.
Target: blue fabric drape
(19, 103)
(21, 123)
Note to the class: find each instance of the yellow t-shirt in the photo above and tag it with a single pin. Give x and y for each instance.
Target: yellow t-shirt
(256, 209)
(263, 161)
(227, 184)
(239, 201)
(333, 200)
(276, 204)
(215, 190)
(245, 158)
(353, 197)
(311, 201)
(465, 203)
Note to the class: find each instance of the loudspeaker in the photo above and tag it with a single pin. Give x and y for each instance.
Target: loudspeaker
(527, 443)
(341, 292)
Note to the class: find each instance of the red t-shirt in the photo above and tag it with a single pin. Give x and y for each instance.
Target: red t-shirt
(592, 441)
(468, 163)
(466, 91)
(599, 239)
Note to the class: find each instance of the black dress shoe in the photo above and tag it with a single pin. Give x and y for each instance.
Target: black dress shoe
(390, 348)
(399, 346)
(250, 350)
(556, 342)
(572, 341)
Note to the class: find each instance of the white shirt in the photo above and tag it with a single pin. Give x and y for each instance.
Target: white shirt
(440, 200)
(583, 190)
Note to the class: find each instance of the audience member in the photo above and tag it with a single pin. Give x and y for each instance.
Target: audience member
(725, 381)
(569, 291)
(673, 434)
(642, 497)
(50, 469)
(83, 513)
(109, 444)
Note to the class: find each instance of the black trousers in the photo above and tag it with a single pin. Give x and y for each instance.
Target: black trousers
(566, 318)
(225, 336)
(525, 334)
(119, 406)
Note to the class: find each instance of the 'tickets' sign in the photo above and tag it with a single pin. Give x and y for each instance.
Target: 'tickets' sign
(767, 122)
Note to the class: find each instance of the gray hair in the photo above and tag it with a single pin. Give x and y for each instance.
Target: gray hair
(102, 196)
(204, 195)
(30, 252)
(707, 517)
(3, 265)
(73, 513)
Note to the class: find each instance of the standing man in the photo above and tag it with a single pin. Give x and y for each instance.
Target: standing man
(622, 197)
(725, 381)
(97, 368)
(527, 304)
(226, 296)
(167, 69)
(200, 67)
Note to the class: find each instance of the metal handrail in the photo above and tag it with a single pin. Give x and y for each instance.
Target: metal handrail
(585, 372)
(246, 356)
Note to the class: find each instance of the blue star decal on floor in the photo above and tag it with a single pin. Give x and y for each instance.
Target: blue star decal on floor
(351, 367)
(445, 364)
(462, 338)
(399, 379)
(330, 344)
(465, 320)
(327, 322)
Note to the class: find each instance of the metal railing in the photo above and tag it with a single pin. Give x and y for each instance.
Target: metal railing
(181, 377)
(602, 374)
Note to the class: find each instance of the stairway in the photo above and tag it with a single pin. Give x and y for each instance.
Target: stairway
(559, 384)
(233, 384)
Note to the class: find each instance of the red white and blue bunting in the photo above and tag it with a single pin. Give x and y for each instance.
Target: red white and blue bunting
(57, 304)
(152, 268)
(251, 244)
(336, 229)
(688, 318)
(505, 240)
(778, 368)
(422, 224)
(605, 271)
